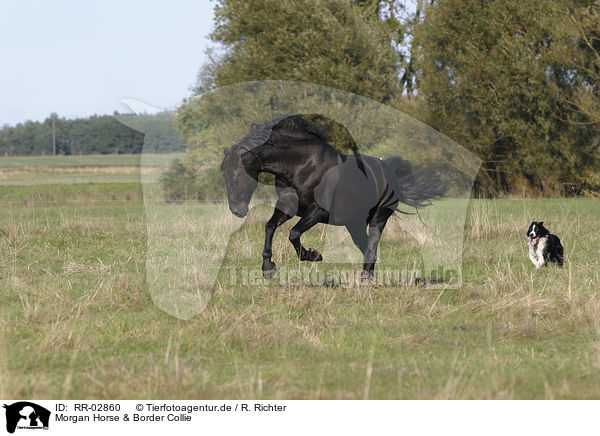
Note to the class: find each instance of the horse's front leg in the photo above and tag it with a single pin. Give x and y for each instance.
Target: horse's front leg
(317, 215)
(277, 219)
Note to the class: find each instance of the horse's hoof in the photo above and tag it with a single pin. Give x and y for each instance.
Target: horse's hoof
(314, 256)
(269, 273)
(367, 278)
(311, 255)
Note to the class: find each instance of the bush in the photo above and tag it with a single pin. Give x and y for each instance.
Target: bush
(180, 182)
(184, 180)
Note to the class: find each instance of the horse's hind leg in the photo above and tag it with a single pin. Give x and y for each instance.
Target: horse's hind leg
(318, 215)
(376, 227)
(278, 218)
(359, 235)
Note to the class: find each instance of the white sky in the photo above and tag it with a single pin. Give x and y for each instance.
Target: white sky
(78, 58)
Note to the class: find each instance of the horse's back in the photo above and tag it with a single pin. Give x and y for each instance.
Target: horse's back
(353, 188)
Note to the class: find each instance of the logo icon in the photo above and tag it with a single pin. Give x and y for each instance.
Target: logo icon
(26, 415)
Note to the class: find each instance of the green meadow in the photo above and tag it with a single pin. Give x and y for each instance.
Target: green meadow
(77, 318)
(56, 170)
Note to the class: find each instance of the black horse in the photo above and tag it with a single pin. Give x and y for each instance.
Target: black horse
(320, 185)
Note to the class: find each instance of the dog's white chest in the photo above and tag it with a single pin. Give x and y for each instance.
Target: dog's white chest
(536, 252)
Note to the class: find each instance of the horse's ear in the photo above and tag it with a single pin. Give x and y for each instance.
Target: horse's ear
(225, 151)
(541, 223)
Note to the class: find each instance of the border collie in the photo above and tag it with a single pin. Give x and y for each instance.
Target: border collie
(543, 246)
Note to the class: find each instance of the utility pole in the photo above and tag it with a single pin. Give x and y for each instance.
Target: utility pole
(53, 135)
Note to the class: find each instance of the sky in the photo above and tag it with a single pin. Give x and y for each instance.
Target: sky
(79, 58)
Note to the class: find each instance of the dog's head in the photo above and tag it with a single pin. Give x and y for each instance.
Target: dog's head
(536, 231)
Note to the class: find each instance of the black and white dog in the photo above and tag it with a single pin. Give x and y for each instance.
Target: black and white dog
(543, 246)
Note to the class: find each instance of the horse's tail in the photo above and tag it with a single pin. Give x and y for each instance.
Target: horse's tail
(417, 189)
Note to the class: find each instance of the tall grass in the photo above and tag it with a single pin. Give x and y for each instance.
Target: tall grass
(77, 319)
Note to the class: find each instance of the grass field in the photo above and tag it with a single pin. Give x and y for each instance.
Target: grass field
(77, 319)
(44, 170)
(88, 160)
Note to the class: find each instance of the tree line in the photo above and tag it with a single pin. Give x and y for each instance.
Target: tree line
(97, 134)
(515, 82)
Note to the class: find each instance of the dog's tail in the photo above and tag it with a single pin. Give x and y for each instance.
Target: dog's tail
(559, 257)
(417, 189)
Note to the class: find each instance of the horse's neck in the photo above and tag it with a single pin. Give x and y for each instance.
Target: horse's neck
(284, 163)
(274, 163)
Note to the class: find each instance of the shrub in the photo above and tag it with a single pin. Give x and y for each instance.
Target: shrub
(185, 180)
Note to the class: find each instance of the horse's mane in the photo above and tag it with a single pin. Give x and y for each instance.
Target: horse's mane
(288, 125)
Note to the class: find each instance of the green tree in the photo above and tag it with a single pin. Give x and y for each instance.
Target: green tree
(318, 41)
(502, 79)
(349, 45)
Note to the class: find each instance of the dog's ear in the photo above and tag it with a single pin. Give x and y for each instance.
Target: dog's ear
(541, 223)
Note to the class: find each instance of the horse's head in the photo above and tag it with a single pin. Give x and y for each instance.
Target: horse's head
(240, 170)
